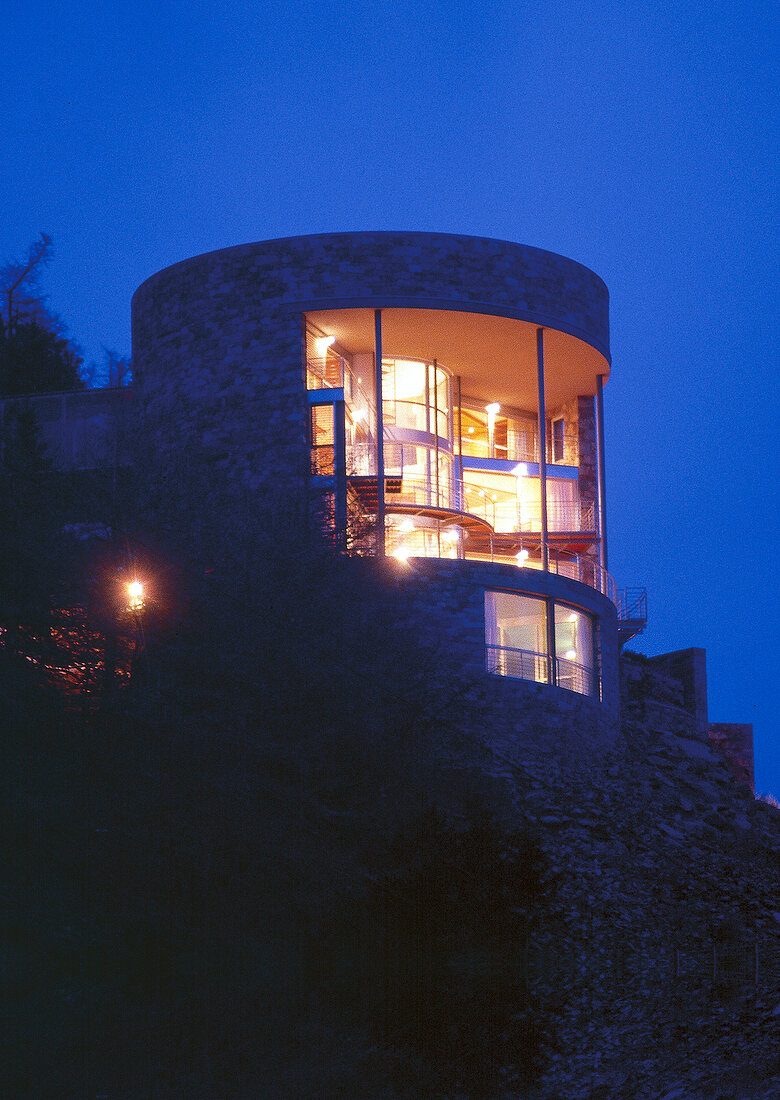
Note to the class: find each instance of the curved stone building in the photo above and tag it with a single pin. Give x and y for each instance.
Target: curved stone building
(441, 395)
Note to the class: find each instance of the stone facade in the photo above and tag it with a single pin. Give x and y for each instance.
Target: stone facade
(734, 743)
(217, 339)
(220, 384)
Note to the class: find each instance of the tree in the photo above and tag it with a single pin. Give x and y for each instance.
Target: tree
(22, 299)
(35, 355)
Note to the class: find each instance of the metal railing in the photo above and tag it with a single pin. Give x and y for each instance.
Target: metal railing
(504, 512)
(632, 605)
(524, 664)
(574, 677)
(521, 664)
(505, 516)
(565, 563)
(326, 373)
(521, 446)
(415, 416)
(580, 567)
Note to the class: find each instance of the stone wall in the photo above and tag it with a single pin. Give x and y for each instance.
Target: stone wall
(448, 595)
(586, 447)
(734, 743)
(217, 340)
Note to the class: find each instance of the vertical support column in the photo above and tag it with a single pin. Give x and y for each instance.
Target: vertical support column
(436, 429)
(460, 495)
(552, 660)
(602, 488)
(340, 474)
(427, 432)
(542, 447)
(380, 438)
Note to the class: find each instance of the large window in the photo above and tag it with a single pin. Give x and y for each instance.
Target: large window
(516, 641)
(416, 396)
(516, 636)
(574, 663)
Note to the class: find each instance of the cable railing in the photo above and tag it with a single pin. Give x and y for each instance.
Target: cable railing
(521, 664)
(505, 516)
(477, 538)
(575, 677)
(524, 664)
(505, 512)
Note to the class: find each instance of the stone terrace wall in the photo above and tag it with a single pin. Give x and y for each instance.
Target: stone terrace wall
(528, 720)
(734, 742)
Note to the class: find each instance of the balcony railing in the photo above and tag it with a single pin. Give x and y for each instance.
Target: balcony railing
(632, 604)
(579, 678)
(326, 373)
(521, 446)
(523, 664)
(503, 511)
(476, 538)
(632, 612)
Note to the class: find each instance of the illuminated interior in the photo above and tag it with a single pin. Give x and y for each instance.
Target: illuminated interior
(460, 431)
(516, 641)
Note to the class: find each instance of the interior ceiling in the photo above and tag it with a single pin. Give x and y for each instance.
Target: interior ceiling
(495, 356)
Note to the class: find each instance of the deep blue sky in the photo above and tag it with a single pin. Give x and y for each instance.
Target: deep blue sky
(638, 138)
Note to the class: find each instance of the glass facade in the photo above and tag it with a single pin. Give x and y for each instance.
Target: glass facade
(516, 641)
(452, 454)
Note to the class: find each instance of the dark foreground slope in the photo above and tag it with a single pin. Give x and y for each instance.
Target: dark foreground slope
(284, 862)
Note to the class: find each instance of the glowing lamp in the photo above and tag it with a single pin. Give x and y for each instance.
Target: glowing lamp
(323, 343)
(521, 556)
(135, 591)
(570, 654)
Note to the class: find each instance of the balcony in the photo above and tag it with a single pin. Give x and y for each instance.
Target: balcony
(425, 522)
(522, 664)
(632, 612)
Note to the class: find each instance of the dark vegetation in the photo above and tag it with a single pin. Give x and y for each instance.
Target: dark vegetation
(254, 849)
(35, 354)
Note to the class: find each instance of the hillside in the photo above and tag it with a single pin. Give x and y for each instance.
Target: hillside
(304, 869)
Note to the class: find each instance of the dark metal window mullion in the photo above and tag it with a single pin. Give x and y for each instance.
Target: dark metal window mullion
(553, 664)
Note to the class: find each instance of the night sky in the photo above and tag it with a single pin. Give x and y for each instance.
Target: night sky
(640, 139)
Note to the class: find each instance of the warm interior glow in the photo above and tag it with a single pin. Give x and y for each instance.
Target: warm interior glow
(322, 343)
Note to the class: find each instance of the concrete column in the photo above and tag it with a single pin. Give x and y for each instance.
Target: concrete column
(602, 487)
(380, 438)
(542, 447)
(340, 474)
